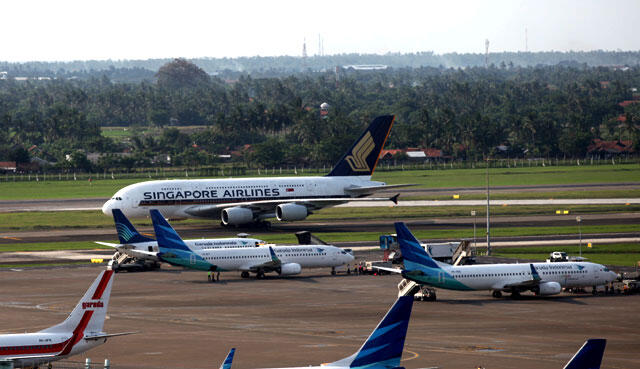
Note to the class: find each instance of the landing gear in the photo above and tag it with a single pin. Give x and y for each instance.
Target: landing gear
(244, 274)
(497, 294)
(260, 274)
(594, 291)
(515, 295)
(333, 270)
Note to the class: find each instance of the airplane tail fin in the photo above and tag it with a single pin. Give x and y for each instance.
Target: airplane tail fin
(413, 254)
(89, 314)
(229, 360)
(384, 346)
(168, 239)
(127, 233)
(362, 157)
(589, 356)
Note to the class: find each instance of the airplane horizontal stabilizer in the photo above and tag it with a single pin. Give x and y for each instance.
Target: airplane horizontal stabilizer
(101, 336)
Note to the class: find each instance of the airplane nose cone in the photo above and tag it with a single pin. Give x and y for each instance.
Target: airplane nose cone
(106, 208)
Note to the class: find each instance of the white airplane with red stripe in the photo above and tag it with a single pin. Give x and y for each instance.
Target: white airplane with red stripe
(81, 331)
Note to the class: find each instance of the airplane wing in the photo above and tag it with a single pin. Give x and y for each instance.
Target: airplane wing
(213, 211)
(363, 191)
(270, 265)
(101, 336)
(524, 285)
(391, 270)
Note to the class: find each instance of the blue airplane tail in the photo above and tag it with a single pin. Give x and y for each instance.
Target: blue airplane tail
(172, 248)
(362, 157)
(413, 254)
(589, 356)
(168, 238)
(127, 233)
(229, 360)
(383, 348)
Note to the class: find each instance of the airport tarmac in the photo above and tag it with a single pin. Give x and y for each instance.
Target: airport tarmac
(185, 322)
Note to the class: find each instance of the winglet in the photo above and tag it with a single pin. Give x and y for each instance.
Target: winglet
(395, 198)
(274, 257)
(229, 360)
(589, 356)
(412, 252)
(384, 346)
(534, 273)
(362, 157)
(127, 233)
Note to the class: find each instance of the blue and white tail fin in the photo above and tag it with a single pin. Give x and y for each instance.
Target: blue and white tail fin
(127, 233)
(229, 360)
(362, 157)
(589, 356)
(383, 348)
(413, 253)
(168, 238)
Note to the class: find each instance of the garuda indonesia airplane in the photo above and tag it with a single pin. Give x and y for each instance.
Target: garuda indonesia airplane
(250, 200)
(541, 278)
(383, 349)
(284, 260)
(81, 331)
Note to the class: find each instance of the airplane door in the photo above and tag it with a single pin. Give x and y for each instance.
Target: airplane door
(441, 277)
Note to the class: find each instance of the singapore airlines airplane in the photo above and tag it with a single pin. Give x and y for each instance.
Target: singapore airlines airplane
(284, 260)
(138, 246)
(252, 200)
(383, 349)
(81, 331)
(540, 278)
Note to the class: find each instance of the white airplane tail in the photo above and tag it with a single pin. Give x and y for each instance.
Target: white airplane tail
(88, 316)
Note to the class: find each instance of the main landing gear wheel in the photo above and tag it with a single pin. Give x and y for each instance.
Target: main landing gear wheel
(260, 275)
(515, 295)
(333, 270)
(497, 294)
(244, 274)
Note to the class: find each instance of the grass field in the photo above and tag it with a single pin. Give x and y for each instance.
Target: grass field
(98, 187)
(613, 254)
(26, 221)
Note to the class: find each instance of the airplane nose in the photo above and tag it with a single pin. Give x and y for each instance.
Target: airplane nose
(106, 207)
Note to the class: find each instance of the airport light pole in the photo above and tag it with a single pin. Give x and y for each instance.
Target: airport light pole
(488, 216)
(579, 220)
(473, 214)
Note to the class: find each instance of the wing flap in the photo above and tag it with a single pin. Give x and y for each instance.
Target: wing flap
(362, 191)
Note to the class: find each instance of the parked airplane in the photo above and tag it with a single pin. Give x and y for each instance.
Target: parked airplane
(540, 278)
(383, 349)
(81, 331)
(136, 245)
(284, 260)
(250, 200)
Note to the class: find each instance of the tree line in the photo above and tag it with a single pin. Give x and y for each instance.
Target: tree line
(541, 111)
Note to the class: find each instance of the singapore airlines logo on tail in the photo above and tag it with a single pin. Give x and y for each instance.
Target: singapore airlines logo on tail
(358, 158)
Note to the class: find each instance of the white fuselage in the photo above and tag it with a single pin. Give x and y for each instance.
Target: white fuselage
(174, 197)
(496, 276)
(33, 349)
(307, 256)
(132, 249)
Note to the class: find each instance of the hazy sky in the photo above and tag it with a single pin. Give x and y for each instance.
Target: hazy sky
(115, 29)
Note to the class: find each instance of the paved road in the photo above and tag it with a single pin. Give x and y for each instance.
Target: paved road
(96, 203)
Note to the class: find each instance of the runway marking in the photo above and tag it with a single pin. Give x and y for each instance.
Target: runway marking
(415, 355)
(13, 238)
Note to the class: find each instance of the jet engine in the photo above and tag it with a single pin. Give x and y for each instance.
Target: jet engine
(291, 212)
(290, 269)
(548, 288)
(237, 215)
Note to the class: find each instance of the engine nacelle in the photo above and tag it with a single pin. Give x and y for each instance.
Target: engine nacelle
(291, 212)
(290, 269)
(236, 215)
(549, 288)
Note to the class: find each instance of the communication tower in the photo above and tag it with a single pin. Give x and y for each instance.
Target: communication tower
(486, 53)
(304, 48)
(526, 40)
